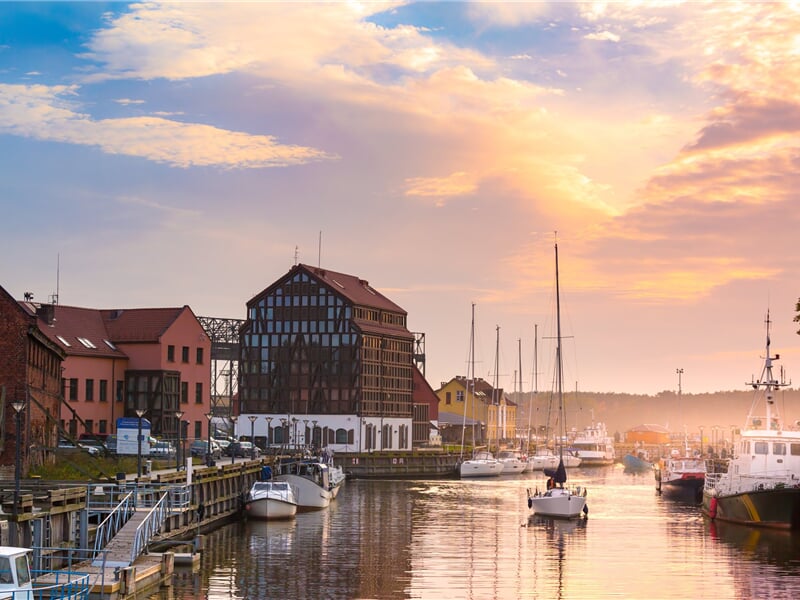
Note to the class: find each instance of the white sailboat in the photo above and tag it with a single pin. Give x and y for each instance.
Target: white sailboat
(558, 500)
(482, 463)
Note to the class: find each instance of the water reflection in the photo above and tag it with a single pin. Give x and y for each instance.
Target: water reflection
(474, 539)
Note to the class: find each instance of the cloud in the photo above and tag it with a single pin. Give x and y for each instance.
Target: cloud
(49, 114)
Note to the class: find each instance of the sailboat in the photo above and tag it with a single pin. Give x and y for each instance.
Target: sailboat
(510, 459)
(558, 501)
(482, 463)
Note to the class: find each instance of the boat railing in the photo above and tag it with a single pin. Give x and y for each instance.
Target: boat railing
(114, 522)
(149, 527)
(52, 585)
(753, 482)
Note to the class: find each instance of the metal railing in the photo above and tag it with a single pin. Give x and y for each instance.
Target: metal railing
(150, 526)
(114, 522)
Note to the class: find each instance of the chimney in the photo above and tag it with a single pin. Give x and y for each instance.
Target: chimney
(47, 313)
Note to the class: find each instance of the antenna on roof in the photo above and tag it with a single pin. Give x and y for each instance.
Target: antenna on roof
(319, 251)
(54, 297)
(295, 256)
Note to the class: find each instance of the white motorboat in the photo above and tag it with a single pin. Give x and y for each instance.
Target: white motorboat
(271, 500)
(558, 500)
(337, 477)
(594, 446)
(761, 485)
(310, 480)
(17, 581)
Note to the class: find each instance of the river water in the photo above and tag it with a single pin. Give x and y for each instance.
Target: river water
(473, 539)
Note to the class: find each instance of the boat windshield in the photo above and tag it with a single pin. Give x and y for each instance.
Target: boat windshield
(5, 570)
(23, 571)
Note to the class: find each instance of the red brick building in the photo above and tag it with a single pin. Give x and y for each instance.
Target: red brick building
(30, 372)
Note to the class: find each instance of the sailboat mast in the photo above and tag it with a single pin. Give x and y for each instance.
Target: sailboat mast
(559, 365)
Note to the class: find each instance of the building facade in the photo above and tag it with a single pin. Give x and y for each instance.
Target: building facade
(30, 375)
(326, 361)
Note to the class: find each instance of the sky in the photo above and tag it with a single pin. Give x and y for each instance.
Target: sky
(192, 153)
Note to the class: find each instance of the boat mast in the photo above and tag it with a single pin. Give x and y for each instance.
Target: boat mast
(470, 378)
(559, 365)
(496, 383)
(770, 385)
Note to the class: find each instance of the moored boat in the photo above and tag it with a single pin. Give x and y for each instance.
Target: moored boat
(270, 500)
(594, 446)
(636, 463)
(310, 480)
(512, 462)
(482, 464)
(761, 485)
(558, 500)
(681, 476)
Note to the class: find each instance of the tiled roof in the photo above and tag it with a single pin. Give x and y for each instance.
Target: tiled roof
(139, 324)
(78, 331)
(357, 290)
(650, 427)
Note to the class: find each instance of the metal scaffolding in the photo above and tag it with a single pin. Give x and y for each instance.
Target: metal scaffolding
(224, 337)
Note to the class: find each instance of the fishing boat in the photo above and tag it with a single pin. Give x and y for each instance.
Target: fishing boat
(310, 480)
(761, 485)
(482, 463)
(270, 500)
(558, 500)
(681, 476)
(637, 462)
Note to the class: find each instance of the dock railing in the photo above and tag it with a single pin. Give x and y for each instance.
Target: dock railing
(114, 522)
(150, 526)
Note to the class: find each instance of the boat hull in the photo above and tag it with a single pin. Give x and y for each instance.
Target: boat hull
(777, 508)
(309, 495)
(513, 467)
(479, 468)
(557, 503)
(269, 509)
(634, 464)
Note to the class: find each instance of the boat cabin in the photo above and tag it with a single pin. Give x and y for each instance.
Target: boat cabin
(15, 572)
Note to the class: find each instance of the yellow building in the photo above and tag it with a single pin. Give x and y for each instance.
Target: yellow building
(490, 407)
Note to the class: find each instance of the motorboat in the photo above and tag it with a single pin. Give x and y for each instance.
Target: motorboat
(310, 480)
(681, 476)
(637, 462)
(545, 458)
(270, 500)
(19, 582)
(594, 446)
(760, 484)
(558, 501)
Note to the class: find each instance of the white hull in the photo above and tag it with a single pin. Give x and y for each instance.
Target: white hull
(559, 503)
(512, 466)
(268, 509)
(539, 462)
(337, 478)
(310, 495)
(480, 468)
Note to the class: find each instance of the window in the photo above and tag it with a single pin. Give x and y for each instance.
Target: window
(86, 342)
(90, 390)
(89, 425)
(199, 356)
(198, 430)
(794, 449)
(185, 354)
(762, 447)
(170, 353)
(120, 394)
(198, 393)
(779, 448)
(459, 396)
(103, 426)
(184, 392)
(73, 389)
(103, 390)
(448, 398)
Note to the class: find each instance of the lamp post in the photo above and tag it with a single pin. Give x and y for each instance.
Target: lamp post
(252, 436)
(269, 431)
(139, 413)
(178, 416)
(284, 432)
(314, 432)
(234, 418)
(294, 431)
(305, 434)
(18, 408)
(209, 416)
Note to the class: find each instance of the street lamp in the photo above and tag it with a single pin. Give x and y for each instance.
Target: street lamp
(252, 436)
(209, 416)
(139, 413)
(305, 433)
(314, 432)
(234, 418)
(18, 408)
(178, 416)
(269, 431)
(284, 432)
(294, 430)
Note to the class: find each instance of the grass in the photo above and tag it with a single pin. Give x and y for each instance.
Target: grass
(80, 466)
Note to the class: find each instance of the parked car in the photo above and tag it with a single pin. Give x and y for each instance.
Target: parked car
(94, 440)
(223, 444)
(243, 449)
(66, 445)
(162, 449)
(200, 448)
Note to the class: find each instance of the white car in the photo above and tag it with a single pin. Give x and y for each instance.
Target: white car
(67, 445)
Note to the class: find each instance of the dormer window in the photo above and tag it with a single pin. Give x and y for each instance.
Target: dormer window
(86, 342)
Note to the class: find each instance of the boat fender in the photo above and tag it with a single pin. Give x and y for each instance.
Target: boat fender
(586, 509)
(584, 492)
(712, 507)
(530, 503)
